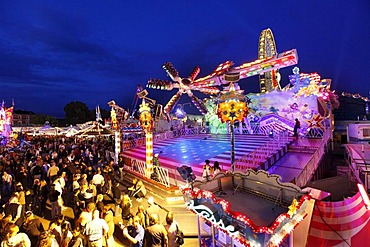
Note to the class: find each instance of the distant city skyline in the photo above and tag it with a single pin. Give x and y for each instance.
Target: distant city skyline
(55, 52)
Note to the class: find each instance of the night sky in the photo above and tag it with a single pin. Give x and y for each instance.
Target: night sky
(55, 52)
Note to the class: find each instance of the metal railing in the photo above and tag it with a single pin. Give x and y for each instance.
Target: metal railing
(140, 168)
(254, 159)
(305, 176)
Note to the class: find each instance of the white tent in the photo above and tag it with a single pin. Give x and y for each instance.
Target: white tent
(48, 130)
(70, 131)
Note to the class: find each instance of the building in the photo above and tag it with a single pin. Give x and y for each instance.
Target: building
(22, 118)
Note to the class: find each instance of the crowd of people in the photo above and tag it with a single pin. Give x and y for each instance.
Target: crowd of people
(61, 173)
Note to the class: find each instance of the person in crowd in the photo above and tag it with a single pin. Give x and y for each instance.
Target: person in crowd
(14, 238)
(152, 208)
(55, 231)
(86, 215)
(4, 221)
(78, 239)
(155, 234)
(126, 206)
(96, 230)
(33, 227)
(21, 196)
(43, 196)
(142, 216)
(216, 168)
(297, 125)
(56, 208)
(14, 209)
(117, 197)
(53, 171)
(134, 232)
(207, 172)
(140, 191)
(66, 234)
(171, 228)
(100, 204)
(92, 187)
(109, 218)
(98, 181)
(132, 189)
(7, 180)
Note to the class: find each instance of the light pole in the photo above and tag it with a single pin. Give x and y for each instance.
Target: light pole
(147, 123)
(232, 107)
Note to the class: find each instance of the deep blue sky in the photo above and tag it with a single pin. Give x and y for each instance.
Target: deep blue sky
(55, 52)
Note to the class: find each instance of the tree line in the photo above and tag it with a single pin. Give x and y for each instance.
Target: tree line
(76, 112)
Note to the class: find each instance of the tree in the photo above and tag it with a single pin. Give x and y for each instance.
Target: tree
(77, 112)
(41, 119)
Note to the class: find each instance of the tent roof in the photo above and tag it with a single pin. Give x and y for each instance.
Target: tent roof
(95, 129)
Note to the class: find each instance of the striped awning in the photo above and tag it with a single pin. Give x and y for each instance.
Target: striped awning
(344, 223)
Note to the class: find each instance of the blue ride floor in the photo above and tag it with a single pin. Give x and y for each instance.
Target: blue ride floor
(193, 151)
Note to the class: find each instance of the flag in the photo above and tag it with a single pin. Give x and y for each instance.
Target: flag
(98, 115)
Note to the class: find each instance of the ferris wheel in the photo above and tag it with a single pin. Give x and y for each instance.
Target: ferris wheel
(269, 80)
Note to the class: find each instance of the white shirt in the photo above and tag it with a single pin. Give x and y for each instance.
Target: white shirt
(98, 179)
(19, 240)
(94, 229)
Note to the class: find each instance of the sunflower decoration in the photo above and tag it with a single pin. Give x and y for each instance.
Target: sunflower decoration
(146, 119)
(293, 207)
(232, 105)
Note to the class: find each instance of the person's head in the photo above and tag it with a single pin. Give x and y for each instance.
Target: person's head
(60, 219)
(29, 215)
(136, 221)
(207, 162)
(96, 214)
(65, 227)
(154, 219)
(169, 218)
(126, 199)
(140, 183)
(11, 230)
(141, 208)
(106, 208)
(76, 231)
(90, 207)
(150, 201)
(52, 225)
(216, 165)
(99, 198)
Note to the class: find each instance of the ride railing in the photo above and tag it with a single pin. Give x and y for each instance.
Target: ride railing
(254, 159)
(159, 174)
(305, 176)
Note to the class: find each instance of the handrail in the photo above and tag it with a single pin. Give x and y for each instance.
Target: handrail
(254, 159)
(139, 167)
(314, 161)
